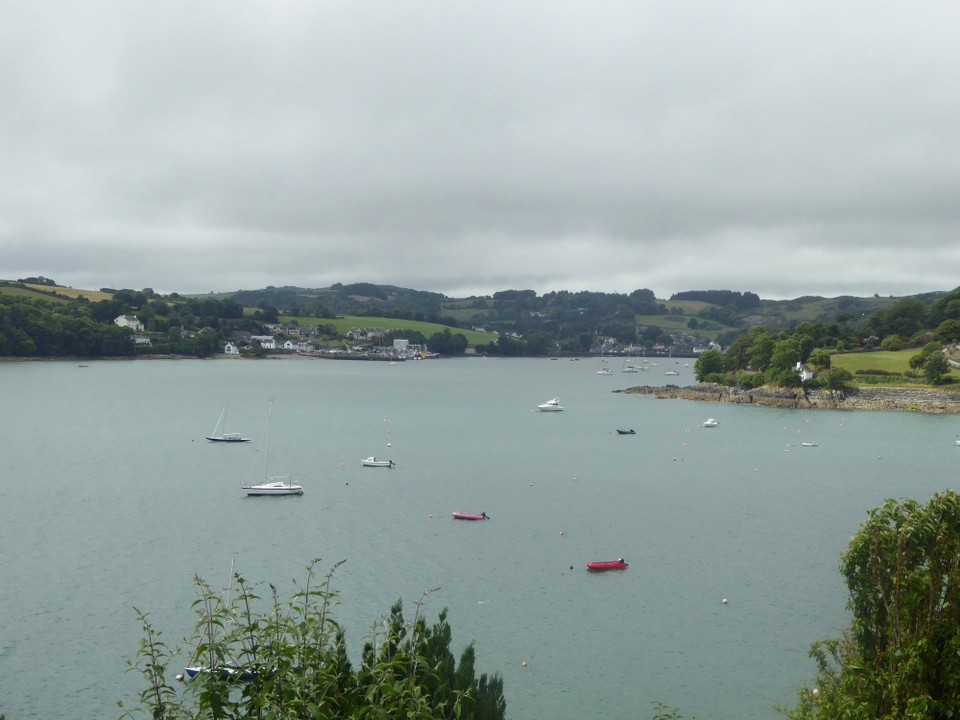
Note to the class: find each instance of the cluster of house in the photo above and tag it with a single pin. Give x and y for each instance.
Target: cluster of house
(287, 337)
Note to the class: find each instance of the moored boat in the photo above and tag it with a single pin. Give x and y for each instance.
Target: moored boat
(219, 436)
(600, 565)
(711, 422)
(373, 462)
(631, 431)
(272, 485)
(550, 406)
(470, 516)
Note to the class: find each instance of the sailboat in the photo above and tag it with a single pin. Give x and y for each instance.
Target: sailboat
(225, 437)
(278, 484)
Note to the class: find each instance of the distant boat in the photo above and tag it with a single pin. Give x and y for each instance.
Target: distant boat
(808, 444)
(277, 485)
(373, 462)
(225, 437)
(601, 565)
(626, 432)
(550, 406)
(710, 422)
(470, 516)
(672, 372)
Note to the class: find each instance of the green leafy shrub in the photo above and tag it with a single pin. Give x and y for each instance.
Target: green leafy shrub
(288, 660)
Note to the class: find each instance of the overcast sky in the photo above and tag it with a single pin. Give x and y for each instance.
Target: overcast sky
(778, 147)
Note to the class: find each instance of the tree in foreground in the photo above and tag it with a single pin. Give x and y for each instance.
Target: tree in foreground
(900, 658)
(289, 661)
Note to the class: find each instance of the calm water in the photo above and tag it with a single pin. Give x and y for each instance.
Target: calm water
(112, 499)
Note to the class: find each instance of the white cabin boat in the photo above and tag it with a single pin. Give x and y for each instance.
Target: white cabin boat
(373, 462)
(550, 406)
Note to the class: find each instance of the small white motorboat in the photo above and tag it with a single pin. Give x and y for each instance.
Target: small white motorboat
(550, 406)
(710, 422)
(373, 462)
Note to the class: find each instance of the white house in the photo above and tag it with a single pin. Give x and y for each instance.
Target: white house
(805, 372)
(231, 349)
(288, 345)
(129, 321)
(267, 342)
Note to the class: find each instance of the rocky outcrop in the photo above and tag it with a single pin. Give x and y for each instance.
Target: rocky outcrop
(870, 398)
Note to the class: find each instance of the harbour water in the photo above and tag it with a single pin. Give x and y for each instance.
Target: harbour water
(112, 499)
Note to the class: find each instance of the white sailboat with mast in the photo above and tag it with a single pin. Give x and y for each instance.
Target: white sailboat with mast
(278, 484)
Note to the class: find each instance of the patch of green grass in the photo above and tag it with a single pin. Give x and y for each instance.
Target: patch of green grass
(53, 293)
(891, 361)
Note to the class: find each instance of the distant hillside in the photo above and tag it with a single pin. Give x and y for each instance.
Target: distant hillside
(339, 299)
(572, 320)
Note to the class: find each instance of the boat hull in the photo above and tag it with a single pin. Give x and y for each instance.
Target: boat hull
(227, 439)
(273, 488)
(373, 462)
(604, 565)
(470, 516)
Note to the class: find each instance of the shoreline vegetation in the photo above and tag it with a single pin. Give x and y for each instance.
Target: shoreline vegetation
(927, 400)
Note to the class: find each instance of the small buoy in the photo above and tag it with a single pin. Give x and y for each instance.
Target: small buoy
(571, 567)
(430, 516)
(523, 664)
(341, 466)
(724, 601)
(561, 533)
(389, 444)
(180, 677)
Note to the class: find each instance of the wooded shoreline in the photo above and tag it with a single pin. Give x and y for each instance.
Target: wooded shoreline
(926, 400)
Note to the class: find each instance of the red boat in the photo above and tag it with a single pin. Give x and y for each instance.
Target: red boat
(598, 565)
(470, 516)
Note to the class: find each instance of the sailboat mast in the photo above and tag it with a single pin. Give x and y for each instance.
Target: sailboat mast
(266, 455)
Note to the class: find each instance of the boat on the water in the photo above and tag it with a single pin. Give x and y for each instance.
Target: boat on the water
(550, 406)
(808, 444)
(470, 516)
(225, 437)
(373, 462)
(276, 485)
(711, 422)
(631, 431)
(601, 565)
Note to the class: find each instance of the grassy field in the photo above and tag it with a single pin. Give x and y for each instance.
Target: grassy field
(350, 322)
(46, 292)
(888, 361)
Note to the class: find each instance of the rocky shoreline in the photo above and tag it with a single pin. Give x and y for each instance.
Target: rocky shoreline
(873, 398)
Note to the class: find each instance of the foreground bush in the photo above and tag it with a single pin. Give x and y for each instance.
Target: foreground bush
(900, 660)
(289, 661)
